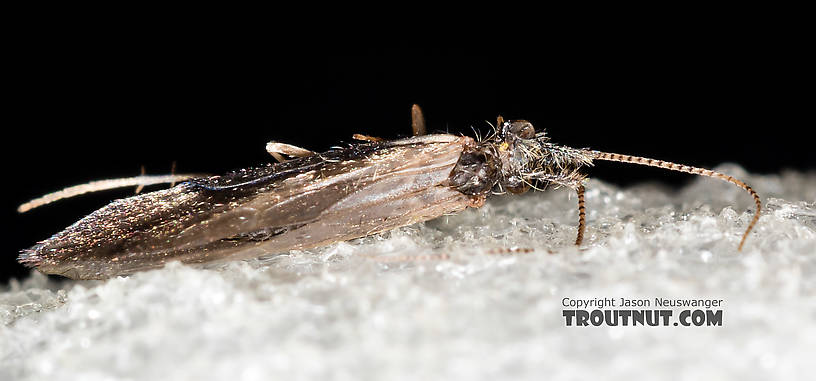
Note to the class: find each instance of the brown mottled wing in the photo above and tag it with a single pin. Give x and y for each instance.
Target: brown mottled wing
(307, 202)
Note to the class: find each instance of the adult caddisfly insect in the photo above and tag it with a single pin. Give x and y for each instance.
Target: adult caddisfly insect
(316, 199)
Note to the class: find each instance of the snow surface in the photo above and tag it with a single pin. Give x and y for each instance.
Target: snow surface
(440, 301)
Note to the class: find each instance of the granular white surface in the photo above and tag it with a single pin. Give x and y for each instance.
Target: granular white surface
(438, 301)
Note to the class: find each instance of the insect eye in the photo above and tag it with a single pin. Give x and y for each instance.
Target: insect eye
(519, 128)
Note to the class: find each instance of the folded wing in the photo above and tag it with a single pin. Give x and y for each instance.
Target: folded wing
(307, 202)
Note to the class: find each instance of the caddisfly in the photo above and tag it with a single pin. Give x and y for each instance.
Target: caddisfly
(316, 199)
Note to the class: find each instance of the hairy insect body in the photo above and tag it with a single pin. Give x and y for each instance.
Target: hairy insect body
(514, 159)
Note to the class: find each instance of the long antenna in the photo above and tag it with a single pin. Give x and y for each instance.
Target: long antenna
(688, 169)
(100, 185)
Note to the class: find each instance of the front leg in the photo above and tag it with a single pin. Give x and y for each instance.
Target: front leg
(574, 180)
(581, 215)
(277, 150)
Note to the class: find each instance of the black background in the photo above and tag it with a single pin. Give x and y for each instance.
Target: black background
(99, 101)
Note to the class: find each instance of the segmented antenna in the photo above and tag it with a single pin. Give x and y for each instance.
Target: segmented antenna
(100, 185)
(598, 155)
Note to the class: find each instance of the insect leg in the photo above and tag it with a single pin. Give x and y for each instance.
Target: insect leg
(100, 185)
(366, 138)
(409, 258)
(571, 179)
(417, 126)
(417, 120)
(581, 215)
(510, 250)
(277, 150)
(141, 186)
(172, 172)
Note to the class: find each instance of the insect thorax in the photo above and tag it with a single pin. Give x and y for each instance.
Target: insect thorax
(477, 171)
(494, 162)
(513, 159)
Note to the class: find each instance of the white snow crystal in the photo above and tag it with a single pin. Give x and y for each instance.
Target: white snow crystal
(442, 300)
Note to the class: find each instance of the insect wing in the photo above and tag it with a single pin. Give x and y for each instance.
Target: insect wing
(334, 196)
